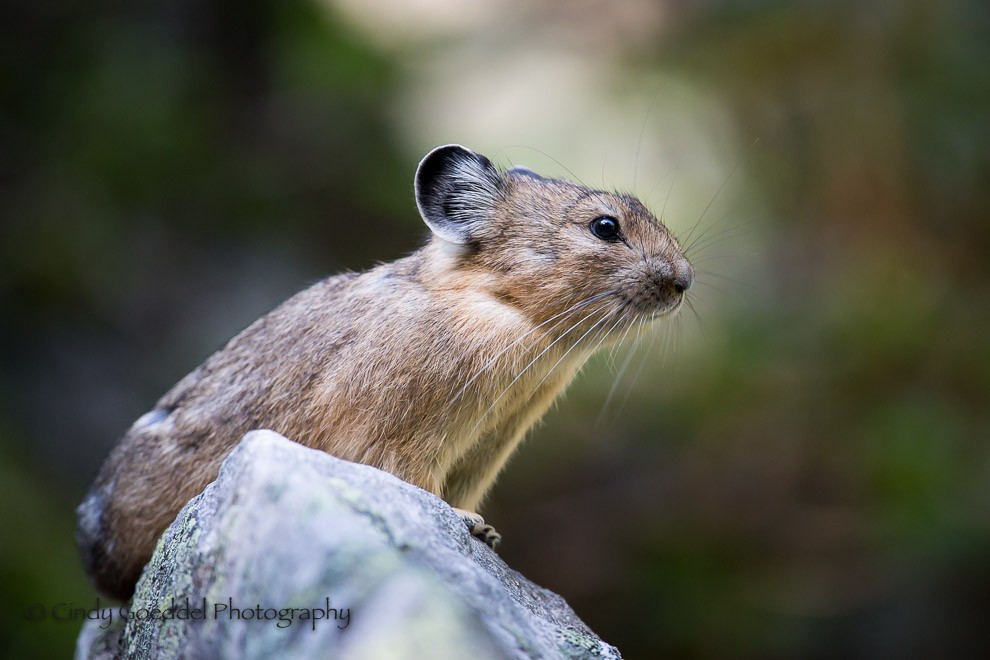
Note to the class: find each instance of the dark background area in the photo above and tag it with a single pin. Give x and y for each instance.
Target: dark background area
(798, 471)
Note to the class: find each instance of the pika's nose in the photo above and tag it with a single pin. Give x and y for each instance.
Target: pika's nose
(683, 276)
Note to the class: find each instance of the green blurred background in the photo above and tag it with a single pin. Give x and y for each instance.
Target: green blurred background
(798, 470)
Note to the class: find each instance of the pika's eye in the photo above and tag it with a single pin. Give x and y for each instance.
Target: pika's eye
(605, 228)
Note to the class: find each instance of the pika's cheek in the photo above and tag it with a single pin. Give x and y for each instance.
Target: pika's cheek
(544, 255)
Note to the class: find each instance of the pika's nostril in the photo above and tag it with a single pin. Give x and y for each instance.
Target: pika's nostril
(684, 278)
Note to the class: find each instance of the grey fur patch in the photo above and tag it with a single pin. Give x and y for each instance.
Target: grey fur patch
(90, 513)
(151, 418)
(525, 171)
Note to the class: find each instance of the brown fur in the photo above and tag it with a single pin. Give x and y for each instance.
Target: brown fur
(414, 366)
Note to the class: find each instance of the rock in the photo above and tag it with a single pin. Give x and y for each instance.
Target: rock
(294, 553)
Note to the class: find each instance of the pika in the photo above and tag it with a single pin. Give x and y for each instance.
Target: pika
(432, 367)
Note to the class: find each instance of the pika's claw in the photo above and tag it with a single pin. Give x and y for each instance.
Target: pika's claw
(479, 528)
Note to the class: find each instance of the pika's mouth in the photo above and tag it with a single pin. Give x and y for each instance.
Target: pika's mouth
(653, 307)
(672, 309)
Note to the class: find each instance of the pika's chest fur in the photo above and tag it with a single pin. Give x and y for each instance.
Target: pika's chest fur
(435, 382)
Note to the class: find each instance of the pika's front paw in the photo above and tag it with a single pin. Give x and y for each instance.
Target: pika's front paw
(486, 533)
(479, 528)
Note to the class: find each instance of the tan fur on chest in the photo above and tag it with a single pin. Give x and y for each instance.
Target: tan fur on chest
(444, 413)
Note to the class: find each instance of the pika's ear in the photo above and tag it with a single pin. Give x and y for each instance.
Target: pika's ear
(456, 192)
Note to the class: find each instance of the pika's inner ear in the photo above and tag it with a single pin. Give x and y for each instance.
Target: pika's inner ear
(456, 192)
